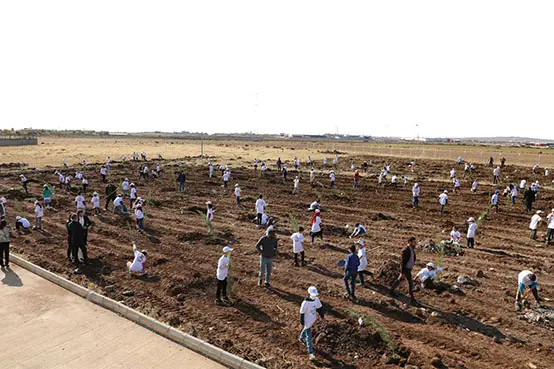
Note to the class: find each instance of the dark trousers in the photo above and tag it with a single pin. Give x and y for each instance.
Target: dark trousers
(85, 188)
(69, 248)
(470, 242)
(494, 179)
(415, 200)
(549, 235)
(140, 224)
(221, 288)
(442, 209)
(76, 247)
(24, 184)
(104, 178)
(259, 218)
(108, 200)
(315, 234)
(301, 258)
(528, 206)
(4, 254)
(131, 202)
(361, 274)
(406, 273)
(533, 234)
(350, 277)
(238, 201)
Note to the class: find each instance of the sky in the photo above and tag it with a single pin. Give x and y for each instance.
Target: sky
(379, 68)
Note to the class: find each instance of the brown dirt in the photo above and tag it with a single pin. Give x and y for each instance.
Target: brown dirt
(474, 329)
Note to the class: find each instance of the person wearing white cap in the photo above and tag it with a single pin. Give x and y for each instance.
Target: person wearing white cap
(22, 223)
(297, 247)
(550, 230)
(3, 207)
(363, 260)
(296, 182)
(210, 211)
(332, 178)
(471, 229)
(426, 276)
(527, 278)
(138, 265)
(415, 195)
(316, 226)
(535, 220)
(24, 182)
(226, 176)
(443, 200)
(221, 274)
(474, 186)
(39, 213)
(95, 203)
(210, 169)
(260, 208)
(237, 194)
(132, 194)
(119, 207)
(125, 186)
(311, 306)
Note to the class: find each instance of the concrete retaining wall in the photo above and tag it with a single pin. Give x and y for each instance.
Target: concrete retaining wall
(186, 340)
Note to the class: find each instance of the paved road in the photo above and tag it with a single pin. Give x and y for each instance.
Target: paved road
(44, 326)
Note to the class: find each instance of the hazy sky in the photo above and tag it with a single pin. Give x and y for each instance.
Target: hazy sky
(402, 68)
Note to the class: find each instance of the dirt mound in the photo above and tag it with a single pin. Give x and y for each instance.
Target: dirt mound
(444, 247)
(192, 236)
(387, 272)
(348, 337)
(381, 216)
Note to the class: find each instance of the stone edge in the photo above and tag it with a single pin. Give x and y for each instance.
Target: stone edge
(175, 335)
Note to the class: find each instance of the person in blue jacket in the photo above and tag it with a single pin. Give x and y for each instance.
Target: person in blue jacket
(351, 272)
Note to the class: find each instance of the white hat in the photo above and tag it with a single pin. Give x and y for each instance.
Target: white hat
(17, 217)
(45, 185)
(332, 171)
(317, 211)
(95, 193)
(269, 230)
(3, 200)
(132, 185)
(236, 185)
(126, 179)
(209, 203)
(445, 191)
(416, 184)
(313, 291)
(431, 265)
(296, 177)
(21, 175)
(36, 202)
(361, 242)
(472, 219)
(227, 249)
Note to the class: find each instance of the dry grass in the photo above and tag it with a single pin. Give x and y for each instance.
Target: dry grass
(52, 150)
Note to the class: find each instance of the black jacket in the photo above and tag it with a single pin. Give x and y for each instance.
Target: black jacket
(76, 233)
(406, 256)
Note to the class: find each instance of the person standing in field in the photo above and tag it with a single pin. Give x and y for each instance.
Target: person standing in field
(535, 220)
(332, 178)
(550, 227)
(4, 244)
(95, 203)
(415, 195)
(68, 183)
(312, 176)
(363, 261)
(226, 176)
(494, 201)
(267, 248)
(181, 180)
(210, 212)
(84, 183)
(237, 194)
(210, 169)
(471, 230)
(350, 273)
(46, 196)
(260, 208)
(86, 223)
(111, 194)
(443, 200)
(221, 275)
(3, 202)
(132, 195)
(474, 186)
(125, 186)
(80, 202)
(24, 182)
(316, 226)
(297, 246)
(139, 216)
(356, 178)
(77, 236)
(103, 173)
(39, 213)
(496, 175)
(279, 163)
(310, 308)
(528, 199)
(296, 183)
(406, 266)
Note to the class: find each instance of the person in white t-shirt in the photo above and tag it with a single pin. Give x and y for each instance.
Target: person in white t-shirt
(496, 175)
(139, 216)
(550, 227)
(535, 220)
(237, 194)
(522, 185)
(426, 276)
(457, 185)
(443, 200)
(332, 178)
(138, 265)
(210, 211)
(316, 226)
(527, 278)
(297, 247)
(260, 209)
(125, 186)
(22, 224)
(363, 261)
(314, 205)
(296, 182)
(415, 195)
(68, 183)
(132, 194)
(95, 203)
(474, 186)
(312, 176)
(494, 200)
(455, 236)
(471, 230)
(221, 275)
(103, 173)
(80, 202)
(226, 176)
(39, 213)
(118, 205)
(311, 306)
(452, 173)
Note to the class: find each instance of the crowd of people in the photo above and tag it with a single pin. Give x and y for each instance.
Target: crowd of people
(79, 224)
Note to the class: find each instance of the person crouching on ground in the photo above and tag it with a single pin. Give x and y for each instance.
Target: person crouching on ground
(311, 306)
(427, 276)
(119, 207)
(350, 273)
(138, 265)
(316, 226)
(359, 230)
(222, 273)
(527, 278)
(22, 225)
(297, 247)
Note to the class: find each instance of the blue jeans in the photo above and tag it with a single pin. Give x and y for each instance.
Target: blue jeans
(140, 224)
(266, 264)
(306, 337)
(350, 275)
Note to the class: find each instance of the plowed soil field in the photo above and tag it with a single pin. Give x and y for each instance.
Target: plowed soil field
(474, 326)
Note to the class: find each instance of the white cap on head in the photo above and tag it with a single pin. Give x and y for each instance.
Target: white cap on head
(227, 249)
(36, 202)
(21, 175)
(95, 193)
(361, 242)
(313, 291)
(209, 203)
(3, 200)
(431, 265)
(445, 191)
(317, 211)
(471, 219)
(126, 179)
(45, 185)
(17, 217)
(236, 185)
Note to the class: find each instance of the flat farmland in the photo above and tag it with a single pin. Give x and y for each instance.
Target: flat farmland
(476, 327)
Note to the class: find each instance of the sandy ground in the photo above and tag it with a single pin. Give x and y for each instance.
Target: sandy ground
(477, 328)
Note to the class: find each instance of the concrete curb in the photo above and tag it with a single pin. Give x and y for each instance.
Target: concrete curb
(175, 335)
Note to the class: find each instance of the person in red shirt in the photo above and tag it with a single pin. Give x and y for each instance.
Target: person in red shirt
(356, 178)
